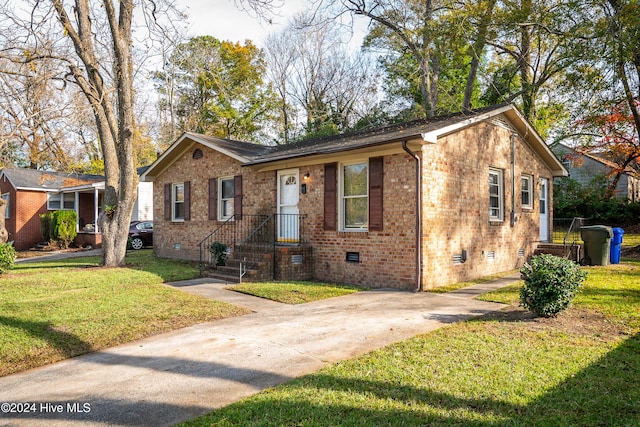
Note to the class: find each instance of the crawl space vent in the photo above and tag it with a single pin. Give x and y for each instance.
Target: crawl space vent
(353, 257)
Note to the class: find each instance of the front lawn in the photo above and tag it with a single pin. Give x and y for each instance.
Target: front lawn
(507, 369)
(51, 311)
(294, 292)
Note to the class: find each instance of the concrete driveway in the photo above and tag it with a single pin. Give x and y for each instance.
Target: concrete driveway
(178, 375)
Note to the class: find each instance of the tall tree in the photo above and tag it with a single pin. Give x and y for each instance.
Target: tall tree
(95, 47)
(609, 119)
(322, 87)
(216, 88)
(114, 117)
(537, 42)
(408, 26)
(34, 118)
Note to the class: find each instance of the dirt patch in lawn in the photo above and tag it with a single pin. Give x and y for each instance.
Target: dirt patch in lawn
(633, 252)
(574, 321)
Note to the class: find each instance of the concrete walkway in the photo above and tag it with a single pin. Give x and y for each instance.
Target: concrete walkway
(178, 375)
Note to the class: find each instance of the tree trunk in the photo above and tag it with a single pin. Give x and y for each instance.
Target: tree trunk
(476, 53)
(116, 130)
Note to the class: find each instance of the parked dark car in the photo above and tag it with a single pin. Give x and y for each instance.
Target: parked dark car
(141, 234)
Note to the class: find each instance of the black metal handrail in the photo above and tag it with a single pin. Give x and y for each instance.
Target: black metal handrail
(277, 229)
(250, 237)
(572, 236)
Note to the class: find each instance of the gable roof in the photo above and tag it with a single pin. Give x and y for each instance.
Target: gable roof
(557, 147)
(418, 132)
(36, 180)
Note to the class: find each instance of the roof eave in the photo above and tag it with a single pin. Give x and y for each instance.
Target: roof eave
(293, 160)
(178, 148)
(432, 136)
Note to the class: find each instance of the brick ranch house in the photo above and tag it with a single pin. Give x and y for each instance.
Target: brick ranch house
(30, 193)
(411, 206)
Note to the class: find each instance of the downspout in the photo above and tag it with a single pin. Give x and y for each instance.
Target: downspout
(514, 219)
(418, 217)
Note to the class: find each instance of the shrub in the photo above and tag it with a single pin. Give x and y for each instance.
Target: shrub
(64, 227)
(550, 284)
(7, 256)
(218, 252)
(46, 226)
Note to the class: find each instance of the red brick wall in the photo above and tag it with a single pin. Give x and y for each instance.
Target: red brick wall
(26, 210)
(456, 205)
(455, 212)
(387, 257)
(259, 191)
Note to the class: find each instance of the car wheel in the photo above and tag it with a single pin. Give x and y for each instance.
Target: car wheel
(137, 243)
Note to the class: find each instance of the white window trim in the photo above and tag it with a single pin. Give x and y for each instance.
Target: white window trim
(221, 216)
(174, 186)
(500, 174)
(60, 198)
(528, 178)
(7, 198)
(341, 197)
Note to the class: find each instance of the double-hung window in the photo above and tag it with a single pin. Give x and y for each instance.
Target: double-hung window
(61, 201)
(527, 191)
(496, 195)
(225, 198)
(354, 206)
(177, 202)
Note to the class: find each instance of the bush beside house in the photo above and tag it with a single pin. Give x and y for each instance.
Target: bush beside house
(7, 257)
(59, 226)
(550, 284)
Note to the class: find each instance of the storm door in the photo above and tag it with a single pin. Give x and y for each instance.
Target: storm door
(288, 197)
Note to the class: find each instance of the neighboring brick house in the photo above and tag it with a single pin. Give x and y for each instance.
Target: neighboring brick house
(585, 167)
(477, 212)
(30, 193)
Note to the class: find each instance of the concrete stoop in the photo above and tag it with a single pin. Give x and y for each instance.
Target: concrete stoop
(572, 252)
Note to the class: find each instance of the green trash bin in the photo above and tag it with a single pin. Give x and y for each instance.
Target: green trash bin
(597, 241)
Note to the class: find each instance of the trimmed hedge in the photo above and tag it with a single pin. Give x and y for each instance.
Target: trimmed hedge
(64, 227)
(7, 257)
(550, 284)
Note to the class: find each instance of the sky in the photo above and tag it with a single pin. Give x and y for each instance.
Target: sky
(223, 20)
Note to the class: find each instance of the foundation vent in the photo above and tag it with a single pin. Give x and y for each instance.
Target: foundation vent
(353, 257)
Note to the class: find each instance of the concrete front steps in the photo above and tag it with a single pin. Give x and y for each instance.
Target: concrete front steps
(230, 272)
(572, 252)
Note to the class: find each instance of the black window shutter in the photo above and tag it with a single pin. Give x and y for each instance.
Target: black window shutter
(167, 202)
(237, 196)
(330, 196)
(213, 198)
(376, 179)
(187, 200)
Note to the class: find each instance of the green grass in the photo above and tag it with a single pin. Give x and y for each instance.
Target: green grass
(631, 240)
(294, 292)
(505, 369)
(612, 290)
(56, 310)
(461, 285)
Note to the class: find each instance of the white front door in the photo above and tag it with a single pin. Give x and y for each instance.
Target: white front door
(544, 209)
(288, 196)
